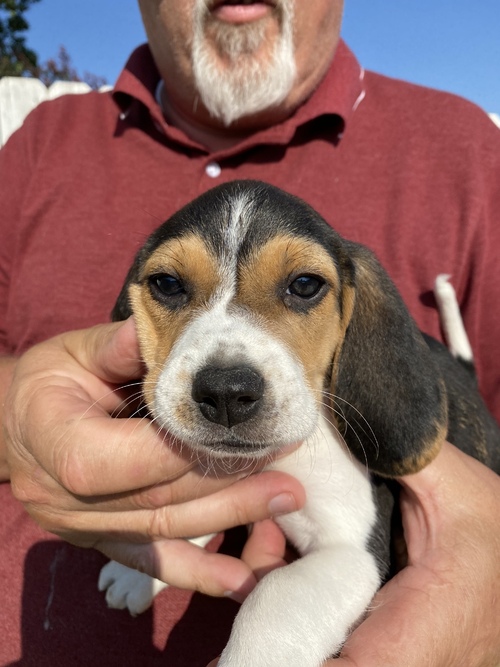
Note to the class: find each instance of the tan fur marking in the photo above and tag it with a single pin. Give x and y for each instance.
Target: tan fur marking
(189, 259)
(428, 453)
(311, 336)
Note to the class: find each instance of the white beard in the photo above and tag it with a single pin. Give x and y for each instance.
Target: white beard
(231, 81)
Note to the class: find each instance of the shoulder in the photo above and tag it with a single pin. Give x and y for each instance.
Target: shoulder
(435, 124)
(78, 104)
(66, 120)
(429, 103)
(426, 108)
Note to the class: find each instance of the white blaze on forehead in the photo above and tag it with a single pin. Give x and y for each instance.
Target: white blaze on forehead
(239, 209)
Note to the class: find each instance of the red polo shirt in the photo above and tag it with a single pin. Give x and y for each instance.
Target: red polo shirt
(410, 172)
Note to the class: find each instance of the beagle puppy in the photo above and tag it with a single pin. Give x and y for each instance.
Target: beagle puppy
(262, 328)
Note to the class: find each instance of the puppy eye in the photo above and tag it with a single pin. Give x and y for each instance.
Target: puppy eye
(305, 287)
(166, 285)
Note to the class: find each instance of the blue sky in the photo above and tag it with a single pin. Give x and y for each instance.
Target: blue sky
(448, 44)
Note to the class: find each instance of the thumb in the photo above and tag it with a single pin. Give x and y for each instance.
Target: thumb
(108, 351)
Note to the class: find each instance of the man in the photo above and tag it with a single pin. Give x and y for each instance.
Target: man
(255, 90)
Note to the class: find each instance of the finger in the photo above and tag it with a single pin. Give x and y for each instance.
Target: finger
(182, 484)
(93, 360)
(57, 396)
(119, 455)
(249, 500)
(185, 565)
(265, 548)
(109, 351)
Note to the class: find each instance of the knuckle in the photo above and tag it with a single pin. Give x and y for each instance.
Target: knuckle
(243, 513)
(26, 489)
(74, 465)
(29, 482)
(201, 584)
(51, 520)
(154, 497)
(70, 471)
(161, 524)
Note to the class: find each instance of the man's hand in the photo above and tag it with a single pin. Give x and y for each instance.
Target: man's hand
(443, 609)
(117, 484)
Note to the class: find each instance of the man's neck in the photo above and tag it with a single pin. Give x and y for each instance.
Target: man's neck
(210, 135)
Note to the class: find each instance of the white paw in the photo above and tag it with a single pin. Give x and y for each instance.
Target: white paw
(128, 589)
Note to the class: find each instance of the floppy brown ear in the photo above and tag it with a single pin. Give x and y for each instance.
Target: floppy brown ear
(389, 398)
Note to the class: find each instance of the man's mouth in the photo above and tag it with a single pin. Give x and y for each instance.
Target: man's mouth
(241, 11)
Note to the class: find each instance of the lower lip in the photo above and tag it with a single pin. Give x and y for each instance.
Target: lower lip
(242, 13)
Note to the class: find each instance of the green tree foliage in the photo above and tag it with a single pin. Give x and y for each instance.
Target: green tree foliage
(16, 59)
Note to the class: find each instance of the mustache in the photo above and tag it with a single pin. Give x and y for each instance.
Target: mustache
(207, 6)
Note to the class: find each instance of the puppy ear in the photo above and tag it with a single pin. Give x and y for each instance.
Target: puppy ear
(122, 309)
(389, 398)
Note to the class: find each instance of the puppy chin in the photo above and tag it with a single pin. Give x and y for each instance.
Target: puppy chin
(229, 456)
(217, 462)
(246, 452)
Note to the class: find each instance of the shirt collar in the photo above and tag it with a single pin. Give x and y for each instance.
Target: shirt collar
(337, 97)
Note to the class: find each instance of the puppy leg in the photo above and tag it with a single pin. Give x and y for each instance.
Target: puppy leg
(300, 615)
(130, 589)
(127, 588)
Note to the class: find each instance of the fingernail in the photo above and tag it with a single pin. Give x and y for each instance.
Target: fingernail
(282, 504)
(234, 595)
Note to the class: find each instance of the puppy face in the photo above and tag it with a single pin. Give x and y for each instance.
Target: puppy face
(235, 295)
(252, 314)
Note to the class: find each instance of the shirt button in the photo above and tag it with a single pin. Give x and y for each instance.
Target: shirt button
(213, 169)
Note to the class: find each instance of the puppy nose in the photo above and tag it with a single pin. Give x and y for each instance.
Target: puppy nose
(228, 396)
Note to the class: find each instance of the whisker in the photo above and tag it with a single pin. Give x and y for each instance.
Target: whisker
(370, 434)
